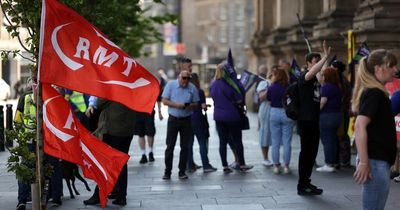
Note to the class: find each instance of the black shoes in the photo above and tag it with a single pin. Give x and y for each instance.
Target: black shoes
(166, 177)
(120, 201)
(151, 157)
(94, 200)
(183, 176)
(143, 160)
(112, 196)
(310, 189)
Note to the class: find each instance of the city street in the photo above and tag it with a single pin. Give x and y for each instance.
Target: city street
(258, 188)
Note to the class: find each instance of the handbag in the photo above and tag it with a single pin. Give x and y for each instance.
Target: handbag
(244, 121)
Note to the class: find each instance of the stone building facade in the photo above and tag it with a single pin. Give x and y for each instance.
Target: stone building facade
(211, 27)
(278, 35)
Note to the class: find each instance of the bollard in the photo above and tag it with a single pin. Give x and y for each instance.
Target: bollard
(2, 149)
(9, 123)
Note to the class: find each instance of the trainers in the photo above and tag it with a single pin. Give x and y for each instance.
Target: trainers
(276, 170)
(234, 165)
(166, 177)
(227, 170)
(151, 157)
(267, 163)
(326, 168)
(183, 176)
(143, 160)
(309, 190)
(195, 166)
(245, 167)
(209, 169)
(21, 206)
(396, 179)
(286, 170)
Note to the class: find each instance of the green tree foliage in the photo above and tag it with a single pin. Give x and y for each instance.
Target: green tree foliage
(123, 21)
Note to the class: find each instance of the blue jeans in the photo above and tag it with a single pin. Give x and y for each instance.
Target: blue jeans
(200, 133)
(329, 124)
(24, 188)
(281, 132)
(376, 190)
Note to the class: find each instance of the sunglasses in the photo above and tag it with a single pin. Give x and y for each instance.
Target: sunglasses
(186, 78)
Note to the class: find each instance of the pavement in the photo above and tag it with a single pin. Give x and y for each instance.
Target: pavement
(256, 189)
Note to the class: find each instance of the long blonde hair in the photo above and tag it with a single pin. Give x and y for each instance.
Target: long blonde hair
(219, 71)
(365, 77)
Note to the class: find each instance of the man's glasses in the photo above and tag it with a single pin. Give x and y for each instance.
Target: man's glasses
(186, 78)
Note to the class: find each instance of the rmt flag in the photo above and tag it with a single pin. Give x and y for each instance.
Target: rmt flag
(66, 138)
(76, 55)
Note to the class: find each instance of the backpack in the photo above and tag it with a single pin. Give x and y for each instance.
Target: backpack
(291, 101)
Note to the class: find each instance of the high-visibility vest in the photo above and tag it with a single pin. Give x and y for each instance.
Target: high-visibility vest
(78, 99)
(29, 114)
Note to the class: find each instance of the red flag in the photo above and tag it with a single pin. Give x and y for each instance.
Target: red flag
(76, 55)
(61, 138)
(66, 138)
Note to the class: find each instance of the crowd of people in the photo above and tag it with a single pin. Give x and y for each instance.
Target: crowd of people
(327, 102)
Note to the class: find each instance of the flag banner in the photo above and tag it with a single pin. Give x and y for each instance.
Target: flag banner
(361, 52)
(248, 79)
(66, 138)
(350, 46)
(76, 55)
(230, 75)
(295, 71)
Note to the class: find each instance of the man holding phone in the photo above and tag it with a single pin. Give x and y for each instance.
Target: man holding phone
(181, 97)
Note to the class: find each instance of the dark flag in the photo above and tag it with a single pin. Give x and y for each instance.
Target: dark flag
(361, 52)
(248, 79)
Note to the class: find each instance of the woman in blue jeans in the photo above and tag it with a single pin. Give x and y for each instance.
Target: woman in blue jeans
(374, 127)
(281, 125)
(330, 117)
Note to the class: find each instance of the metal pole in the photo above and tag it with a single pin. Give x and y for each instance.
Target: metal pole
(9, 124)
(2, 129)
(304, 33)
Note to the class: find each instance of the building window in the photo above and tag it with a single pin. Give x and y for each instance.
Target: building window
(222, 11)
(223, 32)
(240, 10)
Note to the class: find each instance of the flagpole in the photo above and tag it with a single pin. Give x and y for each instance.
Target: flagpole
(39, 149)
(304, 33)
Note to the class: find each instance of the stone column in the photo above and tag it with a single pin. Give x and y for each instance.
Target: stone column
(335, 19)
(377, 22)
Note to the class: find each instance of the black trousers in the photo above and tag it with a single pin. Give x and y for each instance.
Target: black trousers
(183, 127)
(309, 140)
(120, 143)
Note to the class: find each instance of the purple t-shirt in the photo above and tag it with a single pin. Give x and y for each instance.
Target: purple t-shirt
(334, 95)
(275, 94)
(224, 98)
(197, 114)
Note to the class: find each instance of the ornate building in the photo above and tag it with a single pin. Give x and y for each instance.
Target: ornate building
(211, 27)
(278, 34)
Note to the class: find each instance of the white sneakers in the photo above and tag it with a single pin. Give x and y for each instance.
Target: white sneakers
(278, 169)
(326, 168)
(267, 163)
